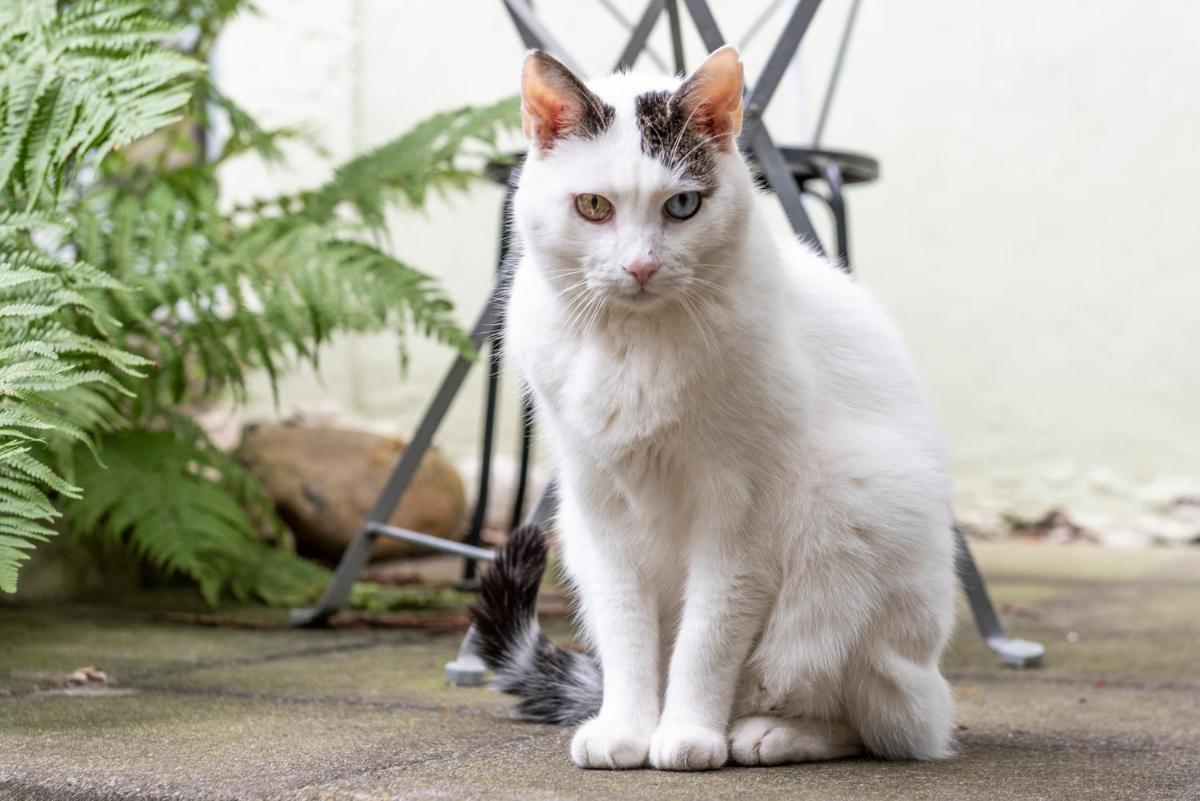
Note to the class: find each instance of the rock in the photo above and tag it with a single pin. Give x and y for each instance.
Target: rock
(87, 675)
(324, 480)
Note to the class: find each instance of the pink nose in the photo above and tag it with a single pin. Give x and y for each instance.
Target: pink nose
(642, 269)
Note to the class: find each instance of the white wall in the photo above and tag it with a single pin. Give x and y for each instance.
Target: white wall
(1033, 233)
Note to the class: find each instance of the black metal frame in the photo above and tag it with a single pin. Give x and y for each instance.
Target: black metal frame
(785, 170)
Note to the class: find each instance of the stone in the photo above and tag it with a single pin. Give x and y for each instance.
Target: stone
(324, 479)
(87, 675)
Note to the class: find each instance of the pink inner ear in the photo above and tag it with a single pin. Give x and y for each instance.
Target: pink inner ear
(704, 112)
(714, 94)
(552, 120)
(552, 113)
(558, 117)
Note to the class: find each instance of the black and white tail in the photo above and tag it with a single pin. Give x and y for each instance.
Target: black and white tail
(555, 685)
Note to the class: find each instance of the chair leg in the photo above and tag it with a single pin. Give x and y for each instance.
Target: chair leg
(467, 669)
(492, 396)
(518, 509)
(479, 516)
(837, 205)
(1018, 653)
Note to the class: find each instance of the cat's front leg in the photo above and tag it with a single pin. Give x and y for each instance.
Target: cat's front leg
(723, 607)
(621, 611)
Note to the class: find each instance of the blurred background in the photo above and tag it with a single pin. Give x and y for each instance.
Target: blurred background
(1032, 232)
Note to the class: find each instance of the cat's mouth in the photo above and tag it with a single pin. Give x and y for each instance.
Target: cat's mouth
(641, 298)
(630, 295)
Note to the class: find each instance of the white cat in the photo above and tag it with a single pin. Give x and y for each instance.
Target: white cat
(753, 505)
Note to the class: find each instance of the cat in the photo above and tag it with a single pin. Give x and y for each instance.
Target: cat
(753, 507)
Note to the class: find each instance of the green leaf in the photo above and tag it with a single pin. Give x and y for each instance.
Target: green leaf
(81, 82)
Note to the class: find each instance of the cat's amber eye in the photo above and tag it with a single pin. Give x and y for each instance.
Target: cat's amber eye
(593, 207)
(682, 206)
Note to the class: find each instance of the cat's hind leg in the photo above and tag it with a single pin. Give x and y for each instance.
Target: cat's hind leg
(901, 708)
(769, 740)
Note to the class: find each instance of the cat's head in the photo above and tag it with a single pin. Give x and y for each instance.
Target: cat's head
(633, 192)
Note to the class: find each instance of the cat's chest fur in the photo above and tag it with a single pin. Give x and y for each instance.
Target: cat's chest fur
(621, 395)
(618, 394)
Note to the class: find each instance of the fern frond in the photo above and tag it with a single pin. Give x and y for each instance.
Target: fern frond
(245, 134)
(25, 510)
(56, 385)
(165, 496)
(83, 81)
(428, 157)
(211, 301)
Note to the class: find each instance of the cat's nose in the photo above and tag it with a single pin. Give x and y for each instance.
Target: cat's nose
(642, 269)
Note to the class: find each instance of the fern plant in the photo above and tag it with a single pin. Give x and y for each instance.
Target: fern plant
(128, 291)
(75, 83)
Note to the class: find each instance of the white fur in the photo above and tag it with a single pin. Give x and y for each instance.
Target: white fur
(754, 508)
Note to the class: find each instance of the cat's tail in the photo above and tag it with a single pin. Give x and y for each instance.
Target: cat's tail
(555, 685)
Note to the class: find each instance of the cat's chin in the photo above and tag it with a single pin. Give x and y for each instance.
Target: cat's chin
(640, 302)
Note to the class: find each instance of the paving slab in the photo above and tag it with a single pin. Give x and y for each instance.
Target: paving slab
(152, 745)
(39, 644)
(386, 673)
(191, 712)
(988, 766)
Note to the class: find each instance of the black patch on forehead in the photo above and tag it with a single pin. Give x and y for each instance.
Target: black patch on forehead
(668, 136)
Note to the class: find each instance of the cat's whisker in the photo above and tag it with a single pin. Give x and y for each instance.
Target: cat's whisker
(679, 137)
(569, 287)
(564, 290)
(586, 311)
(598, 310)
(576, 308)
(724, 291)
(571, 300)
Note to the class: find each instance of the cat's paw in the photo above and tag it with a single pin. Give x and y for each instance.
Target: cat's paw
(767, 740)
(680, 746)
(599, 743)
(757, 740)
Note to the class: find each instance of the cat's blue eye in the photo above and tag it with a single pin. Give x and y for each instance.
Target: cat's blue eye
(682, 206)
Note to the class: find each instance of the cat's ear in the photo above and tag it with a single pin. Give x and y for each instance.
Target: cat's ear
(555, 104)
(711, 97)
